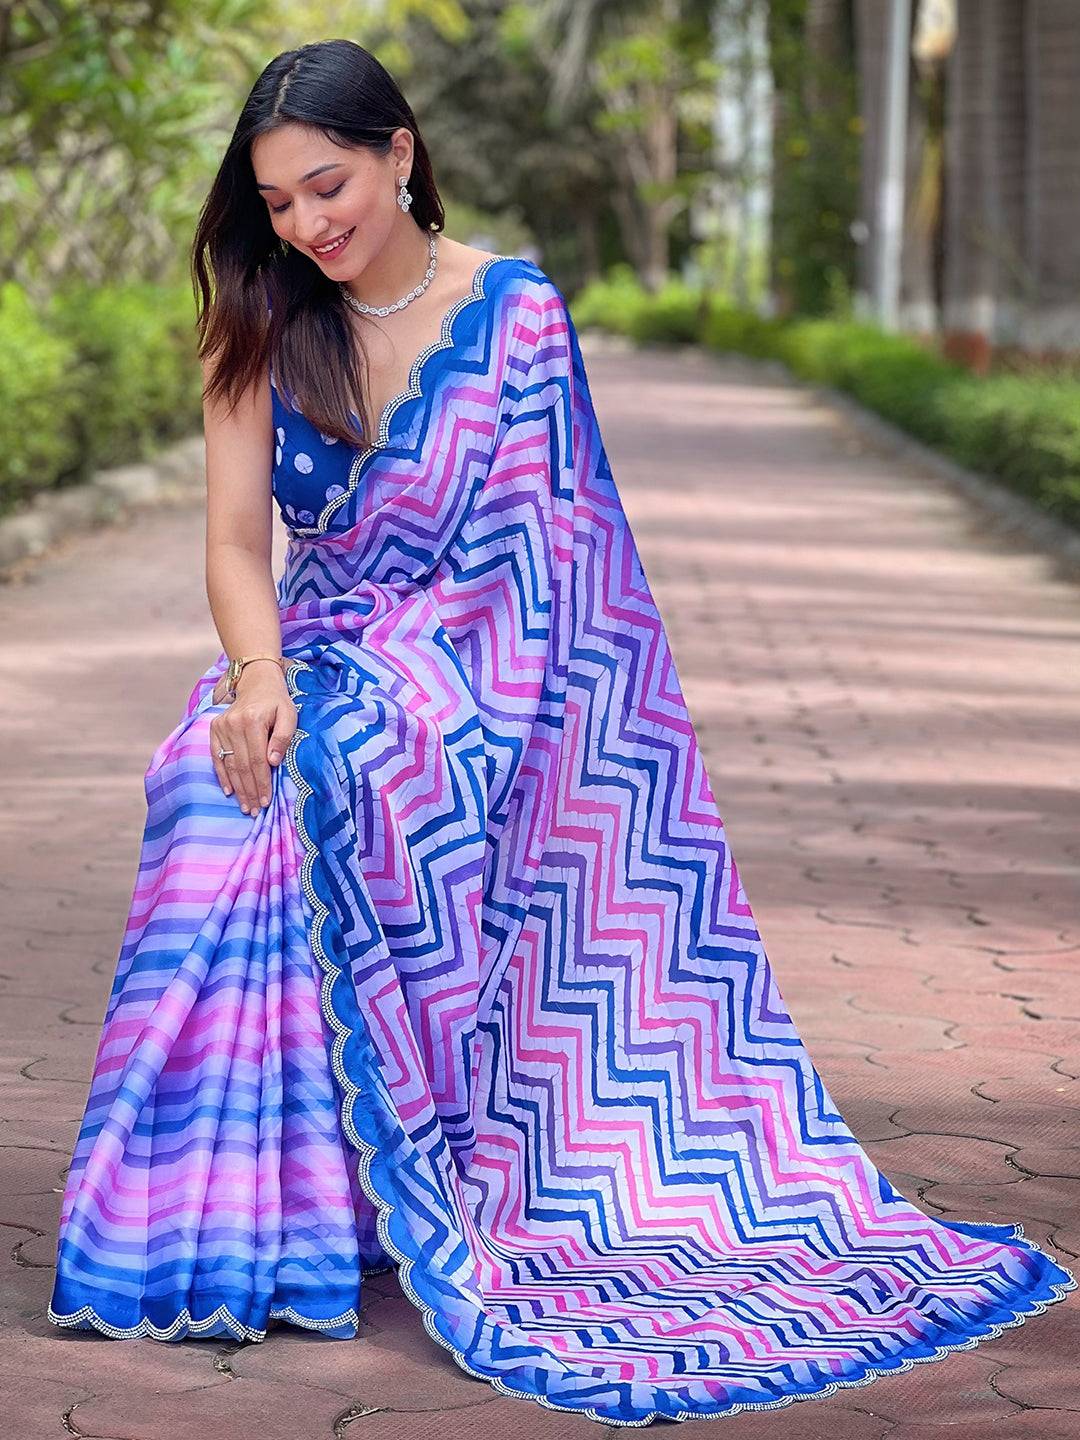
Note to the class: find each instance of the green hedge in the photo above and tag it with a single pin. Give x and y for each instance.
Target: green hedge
(100, 376)
(38, 401)
(106, 374)
(1021, 429)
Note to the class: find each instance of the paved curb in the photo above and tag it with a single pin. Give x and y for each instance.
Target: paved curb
(1014, 515)
(175, 475)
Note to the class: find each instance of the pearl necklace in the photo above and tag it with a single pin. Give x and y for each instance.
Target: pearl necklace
(362, 309)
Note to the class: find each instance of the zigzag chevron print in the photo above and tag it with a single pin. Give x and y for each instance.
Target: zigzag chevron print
(479, 995)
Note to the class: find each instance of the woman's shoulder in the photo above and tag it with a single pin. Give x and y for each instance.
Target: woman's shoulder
(520, 270)
(529, 273)
(522, 282)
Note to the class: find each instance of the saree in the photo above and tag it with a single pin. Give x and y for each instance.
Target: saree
(479, 997)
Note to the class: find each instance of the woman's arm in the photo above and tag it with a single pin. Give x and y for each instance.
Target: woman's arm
(240, 587)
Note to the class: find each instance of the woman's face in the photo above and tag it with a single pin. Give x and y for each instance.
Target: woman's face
(353, 195)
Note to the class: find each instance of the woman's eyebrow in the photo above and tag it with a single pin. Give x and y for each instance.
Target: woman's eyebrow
(333, 165)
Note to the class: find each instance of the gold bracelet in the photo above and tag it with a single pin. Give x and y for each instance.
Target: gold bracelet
(236, 667)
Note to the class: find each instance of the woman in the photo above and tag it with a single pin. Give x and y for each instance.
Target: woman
(437, 957)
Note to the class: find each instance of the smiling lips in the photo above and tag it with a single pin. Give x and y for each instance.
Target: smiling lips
(334, 246)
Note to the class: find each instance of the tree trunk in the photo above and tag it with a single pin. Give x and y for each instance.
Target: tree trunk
(871, 29)
(1051, 164)
(984, 155)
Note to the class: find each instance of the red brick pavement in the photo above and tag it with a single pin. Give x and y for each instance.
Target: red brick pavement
(888, 700)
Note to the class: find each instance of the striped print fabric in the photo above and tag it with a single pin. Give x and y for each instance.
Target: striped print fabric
(480, 995)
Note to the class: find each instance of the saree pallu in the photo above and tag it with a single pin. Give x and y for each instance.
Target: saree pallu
(479, 996)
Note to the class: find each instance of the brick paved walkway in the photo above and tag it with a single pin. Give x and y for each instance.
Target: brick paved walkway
(889, 703)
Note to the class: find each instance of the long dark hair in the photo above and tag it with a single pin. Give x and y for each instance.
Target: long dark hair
(239, 262)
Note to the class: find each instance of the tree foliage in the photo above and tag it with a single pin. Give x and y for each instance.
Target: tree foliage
(816, 153)
(113, 118)
(109, 117)
(640, 73)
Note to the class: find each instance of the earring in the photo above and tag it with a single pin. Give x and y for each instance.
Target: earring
(404, 199)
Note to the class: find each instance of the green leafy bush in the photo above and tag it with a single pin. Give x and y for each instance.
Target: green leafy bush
(892, 374)
(727, 328)
(1026, 429)
(672, 315)
(613, 303)
(38, 401)
(100, 376)
(137, 342)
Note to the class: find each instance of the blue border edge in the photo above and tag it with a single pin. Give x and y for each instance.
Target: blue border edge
(339, 997)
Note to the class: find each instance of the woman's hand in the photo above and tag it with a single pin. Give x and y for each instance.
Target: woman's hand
(257, 728)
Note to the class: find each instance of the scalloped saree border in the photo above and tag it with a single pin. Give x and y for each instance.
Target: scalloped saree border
(385, 1207)
(86, 1317)
(413, 391)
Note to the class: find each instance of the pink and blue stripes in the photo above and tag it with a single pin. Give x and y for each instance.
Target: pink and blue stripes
(480, 995)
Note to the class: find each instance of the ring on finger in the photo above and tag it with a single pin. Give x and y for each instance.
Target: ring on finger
(222, 753)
